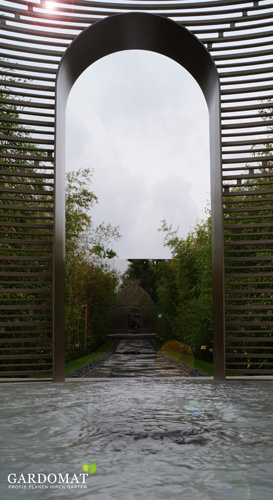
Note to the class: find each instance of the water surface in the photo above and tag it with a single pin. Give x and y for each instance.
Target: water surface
(156, 439)
(135, 358)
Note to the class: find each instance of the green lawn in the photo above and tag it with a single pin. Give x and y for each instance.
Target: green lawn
(78, 363)
(204, 366)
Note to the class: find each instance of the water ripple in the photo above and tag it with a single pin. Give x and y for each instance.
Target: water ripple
(149, 438)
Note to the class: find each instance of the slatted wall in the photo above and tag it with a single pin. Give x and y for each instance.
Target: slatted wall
(239, 36)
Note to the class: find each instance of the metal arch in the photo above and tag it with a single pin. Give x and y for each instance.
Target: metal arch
(157, 34)
(238, 34)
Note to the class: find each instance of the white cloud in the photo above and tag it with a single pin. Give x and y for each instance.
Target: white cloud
(140, 121)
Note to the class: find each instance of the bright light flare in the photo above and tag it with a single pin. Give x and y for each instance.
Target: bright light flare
(50, 5)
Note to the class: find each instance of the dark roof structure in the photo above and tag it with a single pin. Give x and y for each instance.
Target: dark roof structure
(133, 299)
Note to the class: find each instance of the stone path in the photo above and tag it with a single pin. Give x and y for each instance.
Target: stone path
(134, 358)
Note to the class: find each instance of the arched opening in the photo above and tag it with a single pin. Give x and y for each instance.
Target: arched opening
(156, 34)
(144, 133)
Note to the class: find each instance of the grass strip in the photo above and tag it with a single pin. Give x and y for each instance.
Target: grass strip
(71, 366)
(201, 365)
(78, 363)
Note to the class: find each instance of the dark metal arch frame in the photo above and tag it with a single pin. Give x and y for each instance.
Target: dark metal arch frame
(238, 35)
(157, 34)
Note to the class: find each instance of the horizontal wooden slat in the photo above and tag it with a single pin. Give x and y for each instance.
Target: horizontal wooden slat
(12, 324)
(249, 371)
(5, 357)
(23, 340)
(26, 365)
(250, 339)
(24, 373)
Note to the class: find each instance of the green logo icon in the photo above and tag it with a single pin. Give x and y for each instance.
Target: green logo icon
(90, 468)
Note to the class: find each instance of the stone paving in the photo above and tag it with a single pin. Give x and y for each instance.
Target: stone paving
(135, 358)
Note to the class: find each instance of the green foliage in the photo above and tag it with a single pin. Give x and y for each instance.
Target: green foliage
(26, 215)
(90, 292)
(27, 222)
(90, 286)
(248, 240)
(83, 240)
(78, 202)
(181, 288)
(147, 271)
(185, 290)
(71, 366)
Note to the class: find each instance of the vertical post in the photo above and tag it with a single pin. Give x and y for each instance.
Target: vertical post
(59, 237)
(85, 327)
(78, 326)
(217, 234)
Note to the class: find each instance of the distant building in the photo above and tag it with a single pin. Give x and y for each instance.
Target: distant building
(134, 300)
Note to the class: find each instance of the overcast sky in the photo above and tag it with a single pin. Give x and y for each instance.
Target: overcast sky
(140, 121)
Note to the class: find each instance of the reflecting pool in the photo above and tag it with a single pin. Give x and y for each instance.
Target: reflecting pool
(149, 438)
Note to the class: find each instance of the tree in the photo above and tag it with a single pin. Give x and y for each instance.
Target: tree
(83, 239)
(185, 289)
(147, 271)
(26, 215)
(90, 286)
(248, 239)
(26, 245)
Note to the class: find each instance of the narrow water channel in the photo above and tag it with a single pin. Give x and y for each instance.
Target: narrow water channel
(134, 358)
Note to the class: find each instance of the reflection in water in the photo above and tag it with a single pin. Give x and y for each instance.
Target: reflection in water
(223, 483)
(156, 439)
(174, 348)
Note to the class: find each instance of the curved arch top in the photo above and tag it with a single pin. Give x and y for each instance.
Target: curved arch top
(151, 32)
(140, 31)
